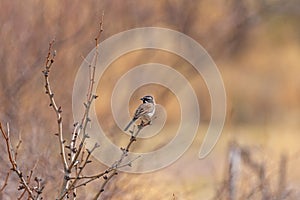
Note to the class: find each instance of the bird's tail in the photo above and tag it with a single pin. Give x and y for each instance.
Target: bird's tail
(130, 123)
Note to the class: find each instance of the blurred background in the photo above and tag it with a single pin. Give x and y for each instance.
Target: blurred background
(255, 44)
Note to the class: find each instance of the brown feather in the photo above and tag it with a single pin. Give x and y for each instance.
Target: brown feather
(143, 109)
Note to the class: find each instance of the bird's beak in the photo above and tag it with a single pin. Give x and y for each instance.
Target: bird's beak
(142, 99)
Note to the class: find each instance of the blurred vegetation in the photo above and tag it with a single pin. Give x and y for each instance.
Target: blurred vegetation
(255, 44)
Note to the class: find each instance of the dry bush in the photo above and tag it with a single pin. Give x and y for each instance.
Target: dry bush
(249, 177)
(73, 155)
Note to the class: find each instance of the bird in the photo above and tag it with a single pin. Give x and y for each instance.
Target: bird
(144, 112)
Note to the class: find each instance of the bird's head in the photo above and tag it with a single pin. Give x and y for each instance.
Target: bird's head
(147, 99)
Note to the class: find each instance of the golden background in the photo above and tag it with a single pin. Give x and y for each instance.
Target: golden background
(255, 44)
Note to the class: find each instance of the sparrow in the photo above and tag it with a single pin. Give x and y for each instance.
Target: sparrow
(144, 112)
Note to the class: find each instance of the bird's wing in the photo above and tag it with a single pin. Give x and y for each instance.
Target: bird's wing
(143, 109)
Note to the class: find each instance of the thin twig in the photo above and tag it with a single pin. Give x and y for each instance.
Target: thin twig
(57, 109)
(90, 97)
(13, 162)
(114, 172)
(77, 146)
(92, 178)
(22, 195)
(118, 164)
(18, 146)
(5, 181)
(86, 161)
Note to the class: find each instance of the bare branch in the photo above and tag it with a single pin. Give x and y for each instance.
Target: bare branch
(5, 181)
(90, 97)
(107, 179)
(86, 161)
(18, 146)
(76, 146)
(92, 178)
(118, 164)
(13, 162)
(57, 109)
